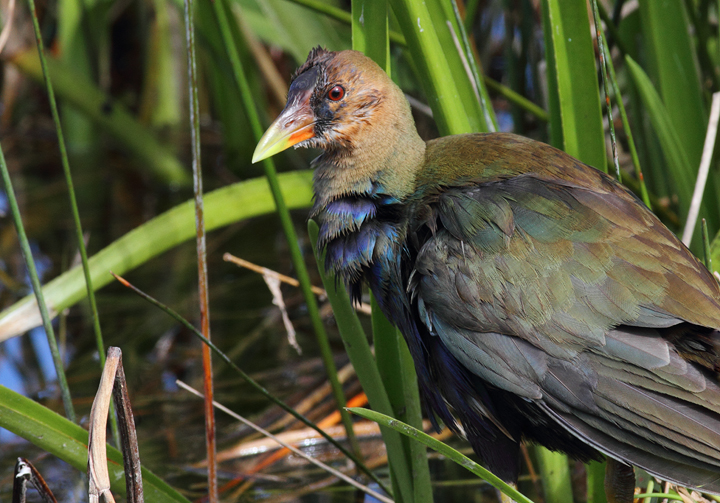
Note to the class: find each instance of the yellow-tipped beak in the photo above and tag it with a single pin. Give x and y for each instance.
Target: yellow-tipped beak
(295, 124)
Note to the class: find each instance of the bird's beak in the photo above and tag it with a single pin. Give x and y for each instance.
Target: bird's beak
(296, 123)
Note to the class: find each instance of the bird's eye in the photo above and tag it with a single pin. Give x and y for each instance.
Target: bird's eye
(336, 93)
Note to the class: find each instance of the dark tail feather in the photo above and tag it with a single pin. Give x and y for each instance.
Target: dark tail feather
(657, 460)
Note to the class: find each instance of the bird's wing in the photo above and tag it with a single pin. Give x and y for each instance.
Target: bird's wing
(583, 302)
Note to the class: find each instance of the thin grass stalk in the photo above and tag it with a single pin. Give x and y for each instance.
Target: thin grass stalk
(203, 295)
(73, 200)
(517, 99)
(606, 87)
(220, 9)
(707, 257)
(37, 288)
(703, 171)
(252, 382)
(628, 131)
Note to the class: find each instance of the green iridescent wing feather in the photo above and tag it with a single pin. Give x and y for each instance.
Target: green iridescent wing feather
(556, 285)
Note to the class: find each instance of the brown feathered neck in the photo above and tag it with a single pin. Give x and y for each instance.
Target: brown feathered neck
(369, 136)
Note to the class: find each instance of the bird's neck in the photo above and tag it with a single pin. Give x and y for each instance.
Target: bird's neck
(359, 203)
(384, 160)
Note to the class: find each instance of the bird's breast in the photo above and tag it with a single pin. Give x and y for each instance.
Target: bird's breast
(362, 237)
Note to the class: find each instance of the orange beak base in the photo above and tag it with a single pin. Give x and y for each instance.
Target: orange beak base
(295, 124)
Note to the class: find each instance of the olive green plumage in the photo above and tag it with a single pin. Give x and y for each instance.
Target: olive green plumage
(539, 298)
(550, 281)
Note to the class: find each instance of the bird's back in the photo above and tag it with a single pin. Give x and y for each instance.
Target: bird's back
(570, 301)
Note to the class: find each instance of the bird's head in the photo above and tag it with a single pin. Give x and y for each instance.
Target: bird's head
(339, 102)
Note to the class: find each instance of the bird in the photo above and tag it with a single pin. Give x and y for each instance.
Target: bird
(540, 299)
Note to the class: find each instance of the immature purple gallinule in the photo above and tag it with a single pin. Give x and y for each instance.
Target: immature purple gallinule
(539, 298)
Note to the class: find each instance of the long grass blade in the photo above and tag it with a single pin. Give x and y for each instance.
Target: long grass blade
(579, 98)
(468, 60)
(370, 20)
(223, 206)
(555, 124)
(433, 68)
(674, 67)
(370, 31)
(681, 170)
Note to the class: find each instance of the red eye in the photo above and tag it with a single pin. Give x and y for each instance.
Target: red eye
(336, 93)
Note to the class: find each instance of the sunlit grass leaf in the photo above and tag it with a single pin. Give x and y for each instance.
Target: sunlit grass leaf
(555, 122)
(681, 169)
(443, 449)
(577, 86)
(438, 66)
(674, 68)
(68, 441)
(222, 207)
